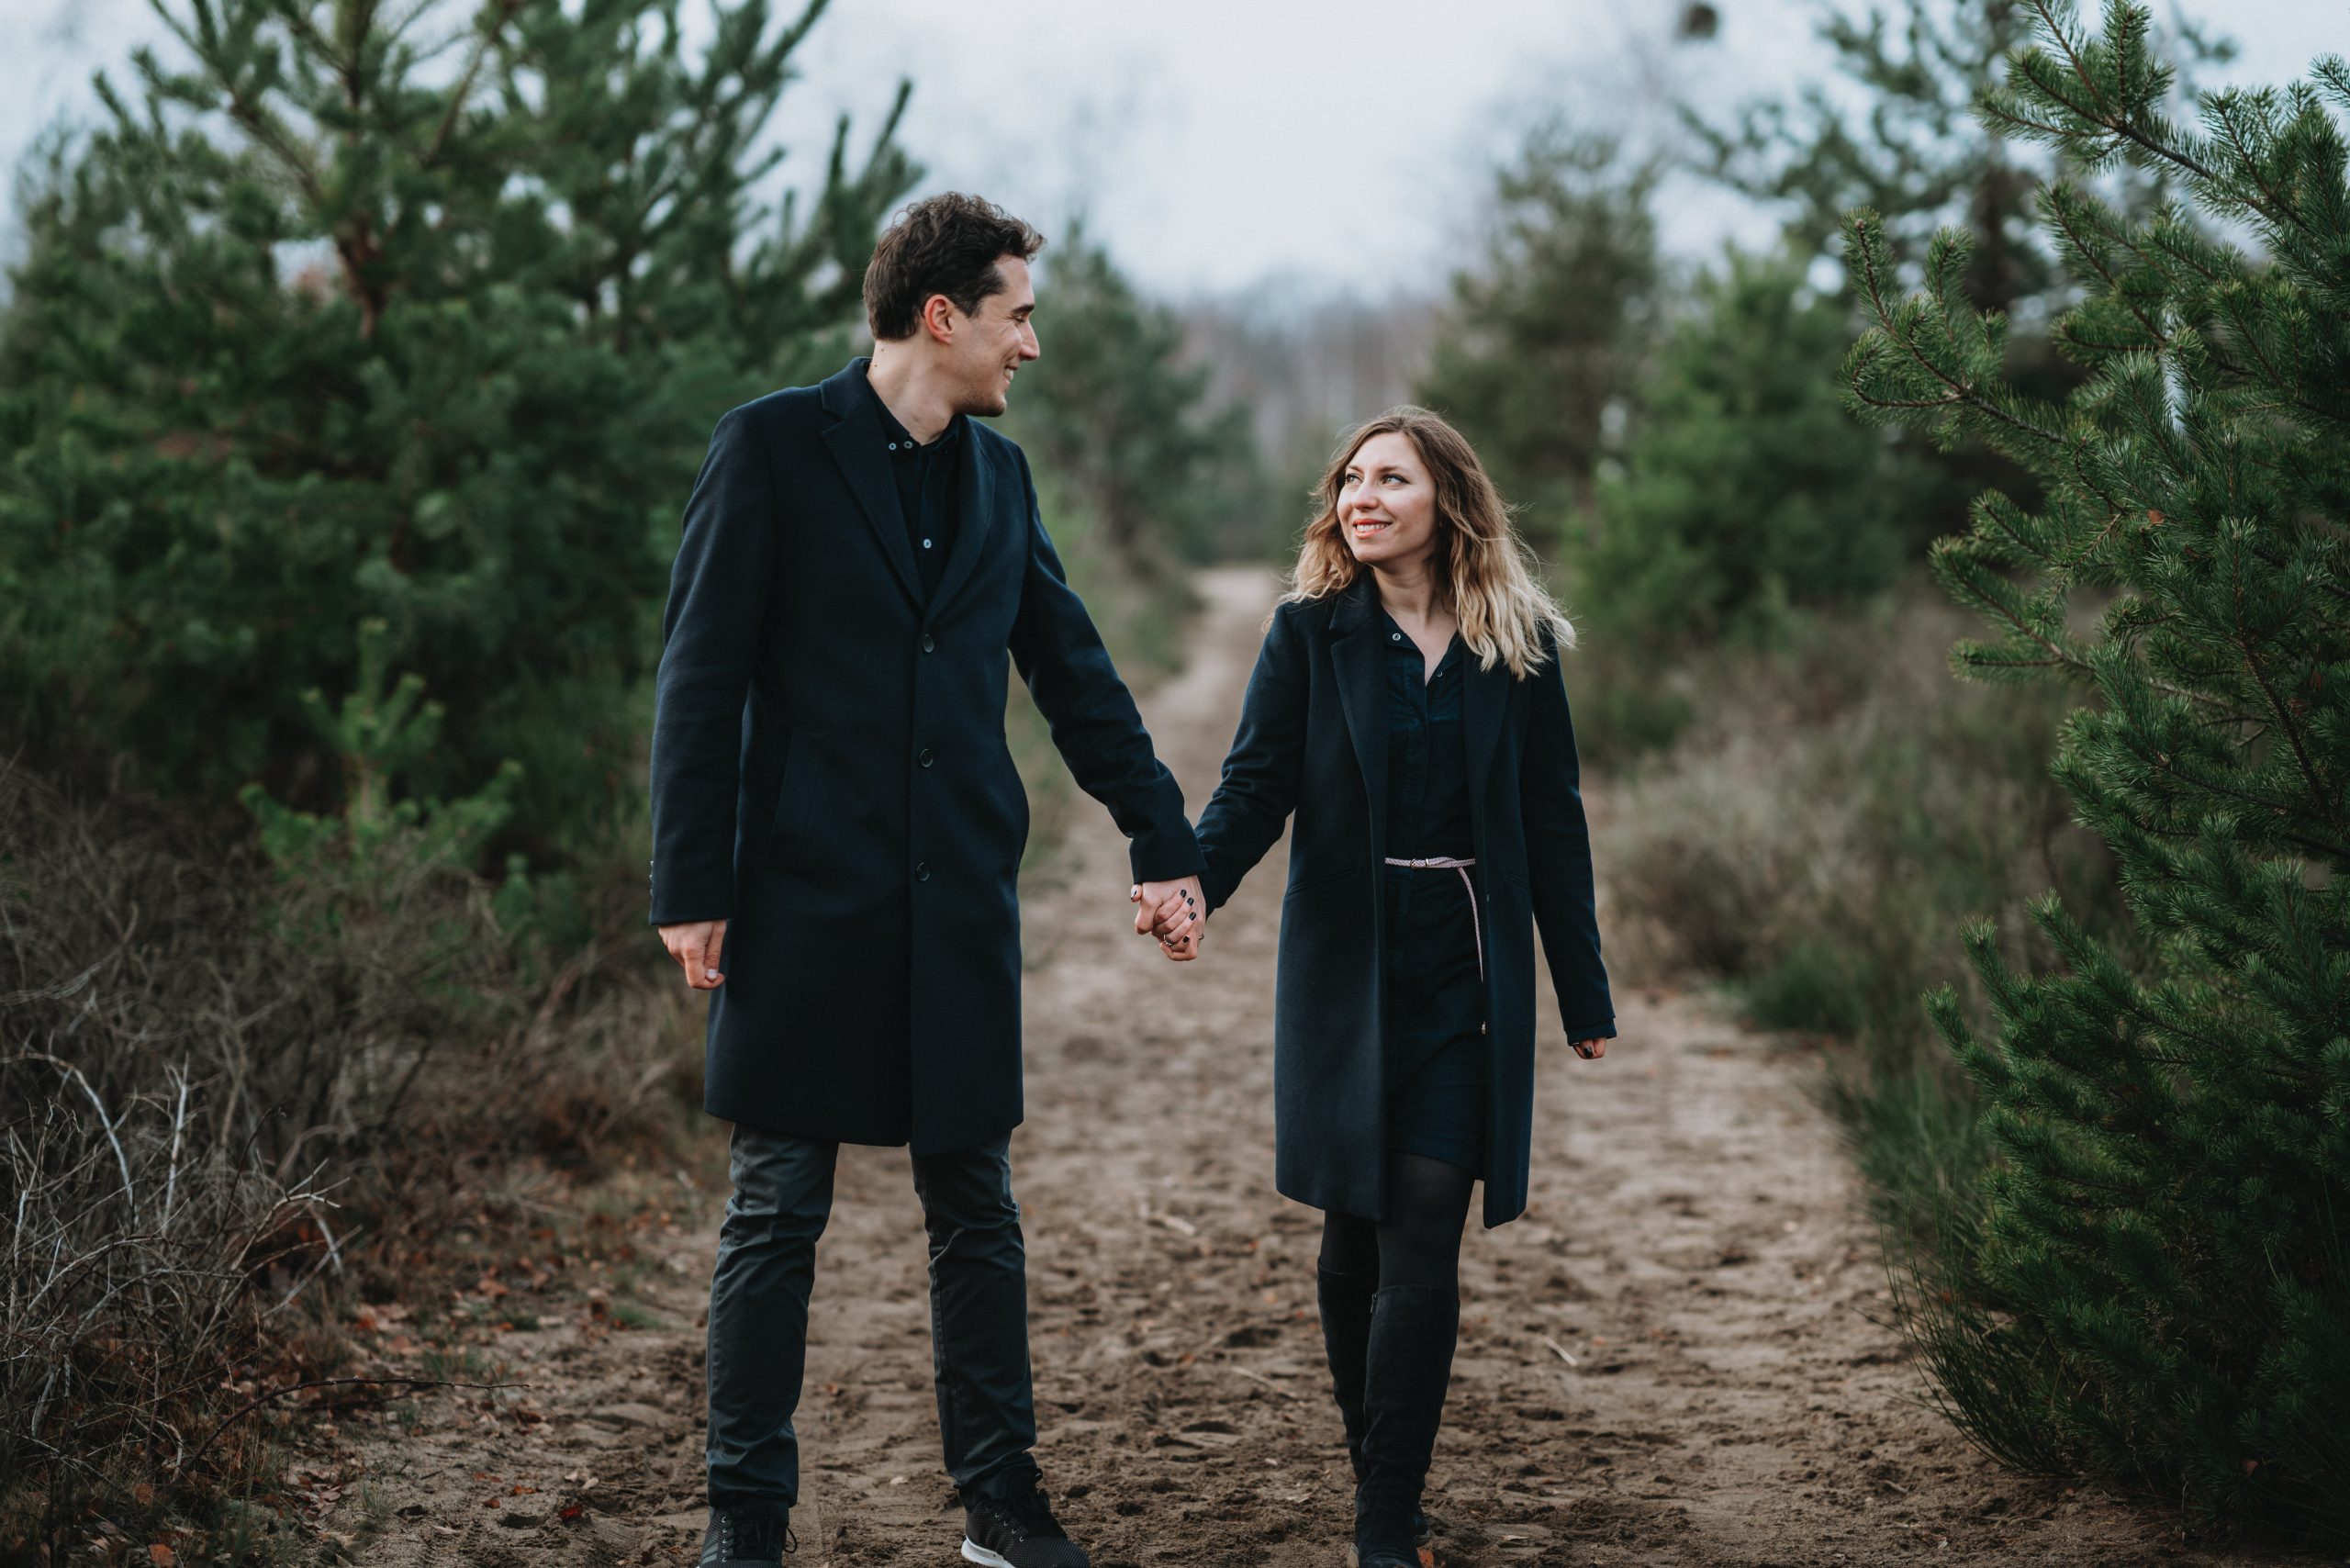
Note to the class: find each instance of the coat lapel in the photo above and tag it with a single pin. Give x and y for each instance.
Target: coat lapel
(975, 498)
(1360, 660)
(855, 444)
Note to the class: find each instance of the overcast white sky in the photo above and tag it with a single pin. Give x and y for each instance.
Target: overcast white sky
(1220, 143)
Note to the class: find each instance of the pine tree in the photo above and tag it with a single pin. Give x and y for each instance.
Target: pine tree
(1552, 325)
(2157, 1288)
(1744, 488)
(1917, 155)
(342, 319)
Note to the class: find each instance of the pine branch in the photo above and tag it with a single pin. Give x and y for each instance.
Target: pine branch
(500, 15)
(2223, 110)
(1959, 391)
(2122, 126)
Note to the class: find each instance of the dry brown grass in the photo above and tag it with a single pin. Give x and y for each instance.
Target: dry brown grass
(1833, 812)
(222, 1096)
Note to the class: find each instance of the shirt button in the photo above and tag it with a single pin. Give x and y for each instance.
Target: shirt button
(925, 758)
(921, 870)
(1394, 636)
(925, 544)
(928, 645)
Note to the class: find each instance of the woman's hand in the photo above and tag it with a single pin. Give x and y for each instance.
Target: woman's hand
(1175, 912)
(1591, 1050)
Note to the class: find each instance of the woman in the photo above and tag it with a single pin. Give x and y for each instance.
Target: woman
(1408, 705)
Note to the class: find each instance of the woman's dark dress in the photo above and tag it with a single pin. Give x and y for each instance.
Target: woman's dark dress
(1436, 1070)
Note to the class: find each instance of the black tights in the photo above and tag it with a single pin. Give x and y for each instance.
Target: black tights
(1419, 1241)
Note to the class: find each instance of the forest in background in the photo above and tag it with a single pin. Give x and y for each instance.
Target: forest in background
(349, 404)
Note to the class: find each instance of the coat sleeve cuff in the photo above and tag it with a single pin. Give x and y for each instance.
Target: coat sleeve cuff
(1166, 855)
(1602, 1029)
(661, 917)
(684, 900)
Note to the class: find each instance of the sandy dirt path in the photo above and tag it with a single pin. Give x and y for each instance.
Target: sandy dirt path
(1676, 1358)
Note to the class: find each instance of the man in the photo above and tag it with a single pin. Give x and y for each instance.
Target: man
(837, 829)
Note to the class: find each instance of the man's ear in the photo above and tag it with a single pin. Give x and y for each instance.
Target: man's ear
(938, 316)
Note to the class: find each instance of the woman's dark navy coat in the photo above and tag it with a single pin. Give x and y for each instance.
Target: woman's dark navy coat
(1313, 740)
(830, 773)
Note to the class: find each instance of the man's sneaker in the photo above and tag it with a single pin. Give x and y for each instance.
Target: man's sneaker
(739, 1538)
(1017, 1532)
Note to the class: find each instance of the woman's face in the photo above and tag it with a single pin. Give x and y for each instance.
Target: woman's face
(1387, 504)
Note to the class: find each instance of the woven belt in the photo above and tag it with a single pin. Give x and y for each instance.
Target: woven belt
(1447, 863)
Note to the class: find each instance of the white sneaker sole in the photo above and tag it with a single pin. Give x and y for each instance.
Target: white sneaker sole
(974, 1553)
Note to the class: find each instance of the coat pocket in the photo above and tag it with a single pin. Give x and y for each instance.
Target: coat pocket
(794, 804)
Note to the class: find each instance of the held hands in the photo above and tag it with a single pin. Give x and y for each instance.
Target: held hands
(1175, 912)
(697, 946)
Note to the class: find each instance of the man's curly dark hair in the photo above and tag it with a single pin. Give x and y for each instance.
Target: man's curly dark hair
(947, 244)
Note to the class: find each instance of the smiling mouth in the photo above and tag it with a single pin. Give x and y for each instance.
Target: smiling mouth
(1365, 526)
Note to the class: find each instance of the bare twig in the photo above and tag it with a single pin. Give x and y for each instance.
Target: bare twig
(122, 1161)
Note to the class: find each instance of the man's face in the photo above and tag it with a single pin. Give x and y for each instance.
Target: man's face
(989, 346)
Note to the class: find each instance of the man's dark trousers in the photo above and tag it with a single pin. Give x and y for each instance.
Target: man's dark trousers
(758, 1314)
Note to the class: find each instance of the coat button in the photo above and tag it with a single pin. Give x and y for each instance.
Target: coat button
(928, 646)
(925, 758)
(921, 870)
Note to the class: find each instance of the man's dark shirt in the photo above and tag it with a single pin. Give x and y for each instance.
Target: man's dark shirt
(926, 489)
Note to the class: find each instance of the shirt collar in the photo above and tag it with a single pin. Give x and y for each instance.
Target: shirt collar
(1398, 642)
(895, 437)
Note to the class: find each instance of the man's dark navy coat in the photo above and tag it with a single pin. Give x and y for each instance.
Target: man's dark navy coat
(830, 773)
(1313, 739)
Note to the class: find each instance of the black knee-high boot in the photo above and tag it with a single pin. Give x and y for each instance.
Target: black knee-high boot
(1345, 1302)
(1407, 1368)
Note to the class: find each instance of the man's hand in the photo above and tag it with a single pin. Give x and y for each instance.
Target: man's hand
(697, 945)
(1176, 913)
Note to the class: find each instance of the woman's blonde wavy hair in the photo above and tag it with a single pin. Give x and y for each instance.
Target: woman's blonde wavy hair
(1485, 573)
